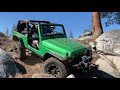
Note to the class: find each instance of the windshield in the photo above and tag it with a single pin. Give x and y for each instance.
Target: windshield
(52, 30)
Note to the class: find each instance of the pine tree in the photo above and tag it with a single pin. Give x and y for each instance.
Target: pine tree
(71, 35)
(112, 18)
(6, 31)
(13, 28)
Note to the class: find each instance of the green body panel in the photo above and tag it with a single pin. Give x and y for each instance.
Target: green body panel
(40, 52)
(58, 45)
(62, 46)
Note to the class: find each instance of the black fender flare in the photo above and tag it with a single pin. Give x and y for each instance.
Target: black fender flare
(15, 38)
(21, 42)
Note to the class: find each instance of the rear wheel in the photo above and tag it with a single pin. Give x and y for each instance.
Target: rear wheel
(19, 51)
(56, 68)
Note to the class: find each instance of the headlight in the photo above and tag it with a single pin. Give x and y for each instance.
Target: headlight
(73, 55)
(66, 54)
(88, 52)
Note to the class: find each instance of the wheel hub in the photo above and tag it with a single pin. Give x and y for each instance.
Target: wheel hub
(54, 70)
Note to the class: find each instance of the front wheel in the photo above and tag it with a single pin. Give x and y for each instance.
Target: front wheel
(56, 68)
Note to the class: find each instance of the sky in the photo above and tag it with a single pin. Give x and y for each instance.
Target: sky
(76, 22)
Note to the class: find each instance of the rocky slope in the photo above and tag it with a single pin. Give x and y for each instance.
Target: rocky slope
(28, 67)
(8, 67)
(107, 53)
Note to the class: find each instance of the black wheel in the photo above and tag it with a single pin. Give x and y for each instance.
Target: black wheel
(55, 67)
(19, 51)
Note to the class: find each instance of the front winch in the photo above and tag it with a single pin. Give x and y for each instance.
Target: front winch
(84, 64)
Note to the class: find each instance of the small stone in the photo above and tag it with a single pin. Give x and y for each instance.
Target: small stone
(70, 76)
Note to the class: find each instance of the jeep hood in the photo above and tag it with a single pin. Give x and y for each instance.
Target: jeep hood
(64, 44)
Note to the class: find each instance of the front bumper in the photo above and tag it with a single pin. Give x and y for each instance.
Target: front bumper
(84, 64)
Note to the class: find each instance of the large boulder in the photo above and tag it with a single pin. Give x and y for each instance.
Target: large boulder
(8, 67)
(109, 42)
(109, 66)
(2, 34)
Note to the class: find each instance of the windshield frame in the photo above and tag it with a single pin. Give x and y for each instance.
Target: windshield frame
(64, 33)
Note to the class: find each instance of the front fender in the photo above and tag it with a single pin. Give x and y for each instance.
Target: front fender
(58, 56)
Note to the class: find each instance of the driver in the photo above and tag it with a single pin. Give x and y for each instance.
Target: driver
(48, 30)
(35, 36)
(51, 29)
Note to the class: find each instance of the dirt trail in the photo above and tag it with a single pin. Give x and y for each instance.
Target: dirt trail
(29, 66)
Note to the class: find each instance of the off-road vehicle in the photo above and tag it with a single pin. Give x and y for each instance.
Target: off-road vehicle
(57, 52)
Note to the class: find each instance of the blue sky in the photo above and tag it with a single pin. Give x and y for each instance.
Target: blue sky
(76, 22)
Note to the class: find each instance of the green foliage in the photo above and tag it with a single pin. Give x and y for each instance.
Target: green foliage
(112, 17)
(13, 28)
(71, 35)
(6, 31)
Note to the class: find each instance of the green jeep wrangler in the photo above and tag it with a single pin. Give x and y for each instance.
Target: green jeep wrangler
(58, 53)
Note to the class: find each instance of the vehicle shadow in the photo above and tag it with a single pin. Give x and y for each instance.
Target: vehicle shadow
(93, 73)
(21, 68)
(32, 59)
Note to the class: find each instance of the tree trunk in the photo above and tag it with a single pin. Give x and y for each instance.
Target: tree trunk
(97, 29)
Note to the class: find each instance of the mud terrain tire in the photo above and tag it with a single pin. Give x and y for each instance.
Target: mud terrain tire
(55, 67)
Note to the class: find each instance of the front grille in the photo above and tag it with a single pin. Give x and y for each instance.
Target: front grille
(77, 56)
(76, 59)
